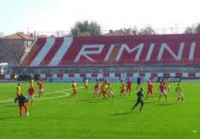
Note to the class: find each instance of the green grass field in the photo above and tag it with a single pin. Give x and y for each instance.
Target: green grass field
(58, 116)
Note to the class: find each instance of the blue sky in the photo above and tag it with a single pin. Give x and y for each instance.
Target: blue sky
(54, 15)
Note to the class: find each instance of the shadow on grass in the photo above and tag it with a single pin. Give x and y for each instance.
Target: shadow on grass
(96, 101)
(9, 117)
(121, 113)
(12, 105)
(165, 104)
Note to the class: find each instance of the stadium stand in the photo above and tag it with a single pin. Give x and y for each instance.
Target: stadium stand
(116, 56)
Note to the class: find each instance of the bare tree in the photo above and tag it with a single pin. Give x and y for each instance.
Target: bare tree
(190, 30)
(11, 52)
(147, 31)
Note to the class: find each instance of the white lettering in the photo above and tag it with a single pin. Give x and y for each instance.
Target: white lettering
(84, 52)
(139, 49)
(109, 52)
(165, 46)
(148, 58)
(192, 49)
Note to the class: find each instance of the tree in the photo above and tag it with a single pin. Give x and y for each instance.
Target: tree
(11, 52)
(147, 31)
(198, 29)
(85, 29)
(190, 30)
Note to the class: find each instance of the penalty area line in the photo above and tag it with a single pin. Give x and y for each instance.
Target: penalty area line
(48, 98)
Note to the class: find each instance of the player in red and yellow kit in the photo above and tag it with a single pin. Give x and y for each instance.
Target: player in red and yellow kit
(86, 83)
(31, 92)
(149, 89)
(162, 89)
(110, 92)
(103, 90)
(96, 90)
(41, 88)
(32, 81)
(18, 90)
(74, 87)
(123, 88)
(180, 93)
(129, 87)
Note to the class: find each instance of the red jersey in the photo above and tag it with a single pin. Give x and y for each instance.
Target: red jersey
(150, 86)
(31, 91)
(129, 83)
(40, 84)
(162, 87)
(97, 86)
(106, 81)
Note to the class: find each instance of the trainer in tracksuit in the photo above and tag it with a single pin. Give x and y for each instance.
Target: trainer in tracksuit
(22, 103)
(139, 99)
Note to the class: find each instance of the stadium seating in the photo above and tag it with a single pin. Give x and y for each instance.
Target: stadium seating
(115, 50)
(34, 51)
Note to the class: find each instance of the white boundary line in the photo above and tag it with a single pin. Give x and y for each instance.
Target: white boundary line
(54, 97)
(12, 100)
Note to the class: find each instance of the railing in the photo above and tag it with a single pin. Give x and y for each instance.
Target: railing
(123, 62)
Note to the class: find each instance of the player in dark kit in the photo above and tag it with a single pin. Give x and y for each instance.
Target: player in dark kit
(139, 99)
(138, 81)
(22, 103)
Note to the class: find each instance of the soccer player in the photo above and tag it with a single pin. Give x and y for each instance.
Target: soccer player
(162, 88)
(41, 88)
(96, 90)
(15, 77)
(129, 87)
(103, 90)
(168, 84)
(74, 87)
(31, 92)
(18, 90)
(110, 93)
(106, 81)
(123, 89)
(86, 83)
(150, 89)
(21, 99)
(32, 81)
(139, 100)
(180, 93)
(138, 82)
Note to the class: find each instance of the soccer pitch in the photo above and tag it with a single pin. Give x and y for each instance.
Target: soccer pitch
(58, 116)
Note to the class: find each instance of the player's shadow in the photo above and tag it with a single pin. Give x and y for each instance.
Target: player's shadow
(96, 101)
(165, 104)
(12, 106)
(9, 117)
(121, 113)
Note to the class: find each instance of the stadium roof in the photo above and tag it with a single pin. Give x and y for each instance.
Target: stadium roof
(18, 36)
